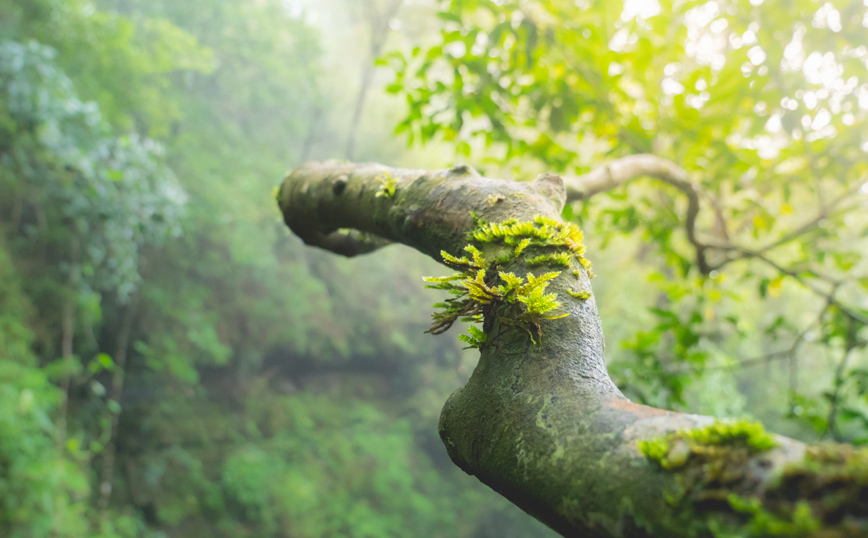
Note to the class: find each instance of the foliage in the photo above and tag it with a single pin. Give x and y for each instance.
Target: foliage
(27, 448)
(765, 110)
(114, 194)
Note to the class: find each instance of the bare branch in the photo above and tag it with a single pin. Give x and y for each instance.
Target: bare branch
(621, 171)
(624, 170)
(825, 212)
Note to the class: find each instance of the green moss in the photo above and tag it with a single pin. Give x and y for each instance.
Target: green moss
(544, 233)
(389, 185)
(717, 484)
(561, 258)
(723, 432)
(710, 464)
(483, 288)
(583, 295)
(673, 450)
(762, 522)
(832, 480)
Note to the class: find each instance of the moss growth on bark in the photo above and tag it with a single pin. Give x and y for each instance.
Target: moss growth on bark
(674, 450)
(483, 288)
(711, 466)
(583, 295)
(720, 493)
(832, 482)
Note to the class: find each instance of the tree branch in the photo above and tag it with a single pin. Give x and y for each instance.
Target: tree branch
(825, 212)
(798, 276)
(542, 423)
(626, 169)
(835, 399)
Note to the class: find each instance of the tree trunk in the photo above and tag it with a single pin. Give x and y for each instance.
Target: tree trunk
(117, 389)
(539, 420)
(378, 25)
(67, 323)
(67, 336)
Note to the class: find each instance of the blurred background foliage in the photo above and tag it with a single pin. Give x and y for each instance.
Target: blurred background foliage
(174, 363)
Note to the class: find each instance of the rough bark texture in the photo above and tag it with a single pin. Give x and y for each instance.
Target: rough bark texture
(542, 423)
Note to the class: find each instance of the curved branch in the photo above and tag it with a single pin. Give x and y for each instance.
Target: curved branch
(542, 423)
(626, 169)
(798, 276)
(430, 211)
(825, 212)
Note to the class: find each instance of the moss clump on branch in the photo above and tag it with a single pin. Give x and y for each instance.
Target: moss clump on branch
(673, 450)
(561, 258)
(831, 483)
(799, 521)
(712, 471)
(583, 295)
(483, 287)
(826, 494)
(556, 241)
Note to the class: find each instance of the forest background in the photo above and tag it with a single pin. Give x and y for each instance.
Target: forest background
(174, 363)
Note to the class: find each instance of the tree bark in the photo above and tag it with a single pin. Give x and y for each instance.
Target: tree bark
(67, 337)
(542, 423)
(117, 390)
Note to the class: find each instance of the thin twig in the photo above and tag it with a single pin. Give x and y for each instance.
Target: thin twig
(626, 169)
(849, 346)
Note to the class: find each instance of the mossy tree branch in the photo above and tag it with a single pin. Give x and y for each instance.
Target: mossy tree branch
(540, 421)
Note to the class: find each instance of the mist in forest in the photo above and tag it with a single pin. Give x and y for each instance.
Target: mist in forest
(174, 362)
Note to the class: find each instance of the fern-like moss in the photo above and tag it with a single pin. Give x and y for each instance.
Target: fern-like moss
(389, 186)
(480, 287)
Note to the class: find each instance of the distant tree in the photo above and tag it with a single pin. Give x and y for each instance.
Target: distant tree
(377, 19)
(83, 204)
